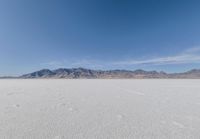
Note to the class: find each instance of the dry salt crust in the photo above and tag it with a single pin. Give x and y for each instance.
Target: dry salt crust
(99, 109)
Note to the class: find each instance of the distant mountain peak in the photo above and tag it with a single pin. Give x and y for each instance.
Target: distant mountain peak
(71, 73)
(39, 74)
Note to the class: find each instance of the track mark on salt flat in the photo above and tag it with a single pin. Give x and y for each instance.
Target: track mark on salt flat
(130, 91)
(11, 93)
(177, 124)
(13, 106)
(134, 92)
(14, 93)
(59, 105)
(58, 137)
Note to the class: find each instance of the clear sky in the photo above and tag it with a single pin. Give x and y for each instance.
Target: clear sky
(99, 34)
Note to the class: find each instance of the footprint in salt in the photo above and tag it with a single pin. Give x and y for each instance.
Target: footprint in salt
(16, 105)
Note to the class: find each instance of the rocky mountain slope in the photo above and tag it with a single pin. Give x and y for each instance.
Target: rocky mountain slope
(76, 73)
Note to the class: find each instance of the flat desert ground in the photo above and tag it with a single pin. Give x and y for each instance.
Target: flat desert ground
(99, 109)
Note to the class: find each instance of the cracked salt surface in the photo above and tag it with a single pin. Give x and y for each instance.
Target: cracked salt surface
(99, 109)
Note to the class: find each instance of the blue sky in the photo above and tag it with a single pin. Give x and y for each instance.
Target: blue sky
(99, 34)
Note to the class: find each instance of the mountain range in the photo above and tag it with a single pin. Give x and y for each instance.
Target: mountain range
(82, 73)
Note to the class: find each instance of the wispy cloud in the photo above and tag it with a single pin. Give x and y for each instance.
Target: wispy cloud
(86, 63)
(187, 56)
(193, 50)
(53, 64)
(191, 55)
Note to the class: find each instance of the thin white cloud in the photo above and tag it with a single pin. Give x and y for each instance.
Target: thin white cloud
(85, 63)
(187, 56)
(53, 64)
(193, 50)
(191, 55)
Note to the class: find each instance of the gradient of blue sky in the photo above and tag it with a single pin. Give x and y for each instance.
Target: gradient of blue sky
(99, 34)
